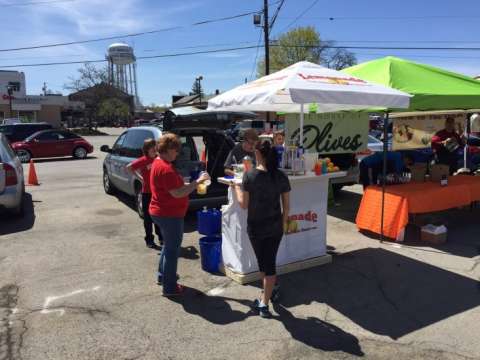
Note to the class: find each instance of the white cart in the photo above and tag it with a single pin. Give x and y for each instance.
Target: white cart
(304, 247)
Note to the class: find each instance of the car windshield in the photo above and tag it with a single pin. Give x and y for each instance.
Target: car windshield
(32, 136)
(373, 140)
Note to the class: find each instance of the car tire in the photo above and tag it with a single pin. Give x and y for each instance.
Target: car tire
(107, 184)
(138, 200)
(24, 155)
(80, 152)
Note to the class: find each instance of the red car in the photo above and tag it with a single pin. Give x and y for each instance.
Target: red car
(52, 143)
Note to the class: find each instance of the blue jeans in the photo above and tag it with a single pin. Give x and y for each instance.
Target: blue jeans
(172, 234)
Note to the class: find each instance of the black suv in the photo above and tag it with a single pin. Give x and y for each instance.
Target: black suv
(19, 132)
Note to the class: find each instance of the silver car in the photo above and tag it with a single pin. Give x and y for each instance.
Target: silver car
(12, 184)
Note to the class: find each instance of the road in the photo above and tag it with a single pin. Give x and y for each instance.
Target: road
(77, 282)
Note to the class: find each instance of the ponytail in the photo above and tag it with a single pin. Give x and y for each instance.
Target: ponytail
(270, 156)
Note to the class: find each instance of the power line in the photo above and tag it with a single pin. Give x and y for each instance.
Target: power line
(256, 56)
(35, 3)
(426, 17)
(198, 23)
(138, 58)
(300, 15)
(252, 47)
(275, 16)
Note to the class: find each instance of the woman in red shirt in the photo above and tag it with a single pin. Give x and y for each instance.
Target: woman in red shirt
(141, 168)
(168, 208)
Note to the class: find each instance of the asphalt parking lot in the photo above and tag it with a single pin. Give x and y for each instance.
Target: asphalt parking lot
(77, 282)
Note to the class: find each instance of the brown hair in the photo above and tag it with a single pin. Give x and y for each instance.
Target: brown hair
(147, 145)
(250, 134)
(168, 141)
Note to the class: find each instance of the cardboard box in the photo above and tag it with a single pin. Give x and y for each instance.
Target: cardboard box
(437, 171)
(418, 172)
(434, 234)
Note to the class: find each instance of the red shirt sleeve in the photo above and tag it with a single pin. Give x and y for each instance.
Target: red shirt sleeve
(140, 163)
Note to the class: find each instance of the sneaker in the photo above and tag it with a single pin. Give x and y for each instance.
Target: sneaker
(263, 311)
(180, 290)
(151, 245)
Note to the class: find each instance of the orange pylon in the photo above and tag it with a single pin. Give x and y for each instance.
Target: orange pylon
(203, 157)
(32, 175)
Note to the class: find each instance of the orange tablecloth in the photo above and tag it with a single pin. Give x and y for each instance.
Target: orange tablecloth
(413, 198)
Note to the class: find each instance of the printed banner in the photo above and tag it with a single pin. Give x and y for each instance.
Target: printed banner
(330, 133)
(416, 132)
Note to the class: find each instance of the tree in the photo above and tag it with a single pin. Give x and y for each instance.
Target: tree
(113, 109)
(92, 83)
(197, 89)
(89, 76)
(305, 44)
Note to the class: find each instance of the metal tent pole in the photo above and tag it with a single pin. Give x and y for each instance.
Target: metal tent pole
(384, 170)
(301, 124)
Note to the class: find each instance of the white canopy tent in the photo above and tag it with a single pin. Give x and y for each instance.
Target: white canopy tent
(288, 91)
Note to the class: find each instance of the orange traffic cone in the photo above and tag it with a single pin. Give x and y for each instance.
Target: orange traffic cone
(203, 157)
(32, 175)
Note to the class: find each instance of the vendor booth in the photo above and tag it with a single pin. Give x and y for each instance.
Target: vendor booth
(433, 89)
(292, 91)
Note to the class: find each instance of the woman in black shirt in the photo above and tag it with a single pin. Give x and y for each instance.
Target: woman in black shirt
(263, 188)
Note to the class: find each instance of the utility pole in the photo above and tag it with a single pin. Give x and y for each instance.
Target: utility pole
(266, 32)
(44, 88)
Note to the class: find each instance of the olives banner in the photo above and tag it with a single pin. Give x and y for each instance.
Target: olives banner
(330, 133)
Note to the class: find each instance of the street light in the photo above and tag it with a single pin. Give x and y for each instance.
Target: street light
(10, 95)
(199, 87)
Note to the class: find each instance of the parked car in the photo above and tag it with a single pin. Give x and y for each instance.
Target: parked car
(207, 127)
(52, 143)
(11, 121)
(19, 132)
(237, 130)
(12, 185)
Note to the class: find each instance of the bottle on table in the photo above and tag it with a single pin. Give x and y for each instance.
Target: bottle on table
(247, 163)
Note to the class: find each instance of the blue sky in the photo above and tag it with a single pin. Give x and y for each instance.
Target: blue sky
(455, 24)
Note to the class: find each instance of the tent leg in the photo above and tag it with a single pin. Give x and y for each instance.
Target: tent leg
(384, 171)
(301, 125)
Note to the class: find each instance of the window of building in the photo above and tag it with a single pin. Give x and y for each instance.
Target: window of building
(15, 85)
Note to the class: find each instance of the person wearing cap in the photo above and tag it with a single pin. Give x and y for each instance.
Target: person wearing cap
(244, 148)
(445, 144)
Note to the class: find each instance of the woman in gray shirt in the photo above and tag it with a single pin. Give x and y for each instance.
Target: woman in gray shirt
(265, 194)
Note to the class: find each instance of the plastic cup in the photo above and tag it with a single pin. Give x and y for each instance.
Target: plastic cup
(202, 189)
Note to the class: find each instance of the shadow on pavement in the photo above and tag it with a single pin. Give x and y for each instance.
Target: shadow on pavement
(11, 224)
(383, 292)
(346, 206)
(317, 333)
(214, 309)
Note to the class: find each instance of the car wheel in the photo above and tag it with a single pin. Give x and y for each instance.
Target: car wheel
(24, 155)
(138, 200)
(107, 184)
(80, 153)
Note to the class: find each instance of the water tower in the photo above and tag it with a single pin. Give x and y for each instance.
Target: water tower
(122, 70)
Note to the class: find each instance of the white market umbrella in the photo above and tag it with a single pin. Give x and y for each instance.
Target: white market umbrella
(288, 90)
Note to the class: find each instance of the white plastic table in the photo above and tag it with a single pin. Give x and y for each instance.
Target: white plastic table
(305, 247)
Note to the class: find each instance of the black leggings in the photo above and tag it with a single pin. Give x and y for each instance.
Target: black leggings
(266, 248)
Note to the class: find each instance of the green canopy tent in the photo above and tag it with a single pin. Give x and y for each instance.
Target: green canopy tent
(432, 89)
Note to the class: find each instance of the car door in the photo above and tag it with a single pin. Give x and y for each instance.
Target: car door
(132, 149)
(113, 160)
(43, 144)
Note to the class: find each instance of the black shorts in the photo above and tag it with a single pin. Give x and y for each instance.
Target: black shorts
(266, 248)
